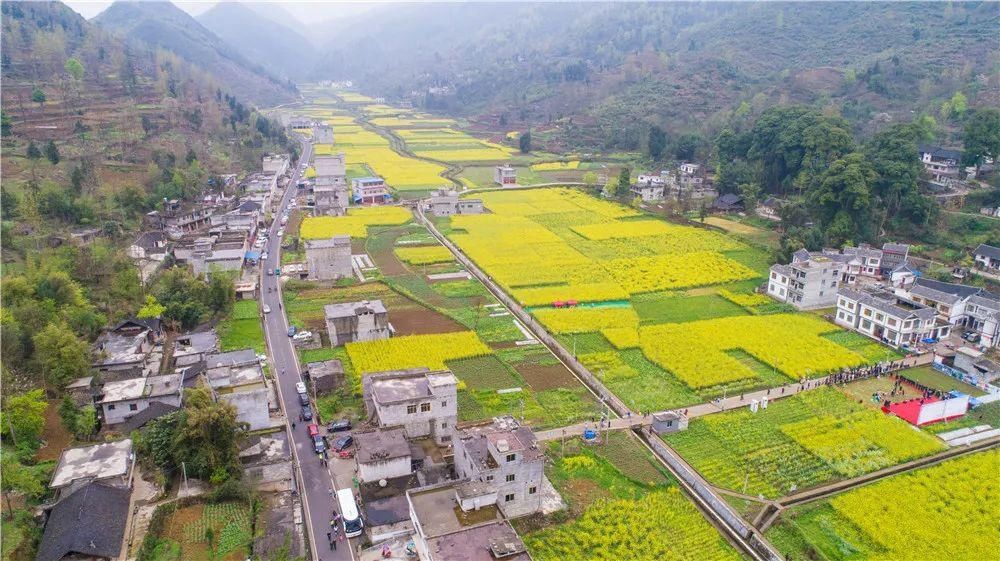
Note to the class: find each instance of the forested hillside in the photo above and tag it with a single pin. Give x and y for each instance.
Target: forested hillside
(165, 26)
(618, 68)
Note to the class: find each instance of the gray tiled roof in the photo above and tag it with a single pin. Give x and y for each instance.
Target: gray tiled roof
(988, 251)
(89, 522)
(942, 291)
(887, 303)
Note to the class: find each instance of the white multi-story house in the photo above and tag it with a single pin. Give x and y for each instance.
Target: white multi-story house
(506, 459)
(805, 284)
(967, 307)
(125, 398)
(322, 133)
(987, 257)
(505, 175)
(887, 317)
(940, 163)
(357, 321)
(382, 454)
(421, 402)
(649, 188)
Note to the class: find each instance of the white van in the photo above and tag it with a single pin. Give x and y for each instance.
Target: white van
(300, 387)
(267, 309)
(349, 515)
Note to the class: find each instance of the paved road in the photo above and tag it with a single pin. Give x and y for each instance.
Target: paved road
(316, 478)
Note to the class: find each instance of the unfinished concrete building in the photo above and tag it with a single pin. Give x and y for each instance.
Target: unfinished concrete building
(422, 402)
(357, 321)
(329, 259)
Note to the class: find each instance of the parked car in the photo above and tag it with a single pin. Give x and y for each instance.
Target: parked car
(266, 308)
(302, 335)
(270, 273)
(303, 399)
(263, 256)
(307, 413)
(281, 232)
(343, 443)
(300, 387)
(339, 426)
(291, 331)
(318, 445)
(313, 429)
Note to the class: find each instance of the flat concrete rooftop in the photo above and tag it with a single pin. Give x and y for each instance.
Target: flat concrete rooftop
(99, 461)
(439, 513)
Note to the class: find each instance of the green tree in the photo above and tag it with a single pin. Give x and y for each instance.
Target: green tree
(657, 142)
(33, 153)
(60, 356)
(702, 211)
(51, 152)
(624, 181)
(751, 194)
(86, 422)
(524, 142)
(38, 96)
(955, 107)
(982, 137)
(16, 478)
(686, 146)
(6, 126)
(24, 419)
(893, 157)
(221, 293)
(69, 413)
(590, 179)
(206, 436)
(75, 68)
(842, 200)
(151, 309)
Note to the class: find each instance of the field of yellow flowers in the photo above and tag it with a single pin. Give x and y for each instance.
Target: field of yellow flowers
(355, 224)
(425, 255)
(414, 351)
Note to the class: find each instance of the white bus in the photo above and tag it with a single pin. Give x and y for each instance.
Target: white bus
(349, 514)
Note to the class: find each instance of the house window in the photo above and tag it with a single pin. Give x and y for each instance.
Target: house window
(532, 490)
(510, 478)
(511, 457)
(425, 407)
(133, 407)
(411, 409)
(111, 407)
(508, 497)
(489, 478)
(444, 424)
(840, 315)
(444, 404)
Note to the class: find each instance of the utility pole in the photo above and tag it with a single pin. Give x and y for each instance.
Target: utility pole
(185, 473)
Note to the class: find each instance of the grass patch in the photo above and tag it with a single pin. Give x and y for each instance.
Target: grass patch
(667, 307)
(242, 328)
(927, 376)
(484, 373)
(872, 350)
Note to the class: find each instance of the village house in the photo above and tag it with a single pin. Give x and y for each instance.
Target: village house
(977, 369)
(329, 259)
(423, 403)
(864, 262)
(247, 216)
(941, 164)
(262, 185)
(730, 202)
(236, 378)
(128, 349)
(330, 185)
(382, 454)
(969, 308)
(357, 321)
(649, 188)
(505, 175)
(88, 522)
(322, 133)
(217, 251)
(83, 391)
(178, 217)
(892, 319)
(506, 458)
(325, 376)
(109, 463)
(274, 163)
(440, 534)
(299, 122)
(369, 190)
(125, 398)
(445, 202)
(987, 258)
(149, 245)
(267, 462)
(385, 508)
(805, 284)
(769, 208)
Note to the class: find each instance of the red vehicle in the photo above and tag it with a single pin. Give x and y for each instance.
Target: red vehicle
(313, 430)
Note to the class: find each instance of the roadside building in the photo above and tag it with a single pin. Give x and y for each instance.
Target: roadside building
(322, 133)
(330, 185)
(987, 258)
(668, 422)
(505, 175)
(382, 454)
(267, 462)
(242, 385)
(506, 458)
(441, 534)
(357, 321)
(325, 376)
(421, 402)
(109, 463)
(445, 202)
(274, 163)
(125, 398)
(892, 319)
(369, 190)
(88, 523)
(805, 284)
(329, 259)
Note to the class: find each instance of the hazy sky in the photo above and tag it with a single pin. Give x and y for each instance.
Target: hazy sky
(307, 12)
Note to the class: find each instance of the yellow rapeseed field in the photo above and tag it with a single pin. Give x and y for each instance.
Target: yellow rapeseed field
(414, 351)
(355, 224)
(556, 166)
(583, 320)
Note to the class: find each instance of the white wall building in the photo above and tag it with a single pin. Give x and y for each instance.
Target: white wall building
(421, 402)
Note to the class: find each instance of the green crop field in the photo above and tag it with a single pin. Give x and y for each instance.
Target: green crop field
(798, 442)
(242, 329)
